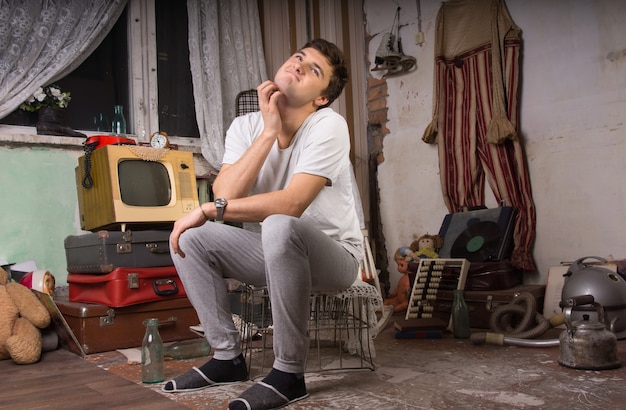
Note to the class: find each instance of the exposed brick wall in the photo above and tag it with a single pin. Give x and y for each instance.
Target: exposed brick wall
(377, 115)
(377, 94)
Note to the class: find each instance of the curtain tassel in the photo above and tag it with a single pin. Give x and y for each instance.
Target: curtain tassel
(430, 134)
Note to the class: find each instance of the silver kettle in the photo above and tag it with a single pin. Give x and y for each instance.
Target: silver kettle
(587, 344)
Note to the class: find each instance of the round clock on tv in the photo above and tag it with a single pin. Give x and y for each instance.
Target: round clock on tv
(159, 140)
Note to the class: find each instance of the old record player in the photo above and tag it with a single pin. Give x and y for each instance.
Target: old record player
(480, 235)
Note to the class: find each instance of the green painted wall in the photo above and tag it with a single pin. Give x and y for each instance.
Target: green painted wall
(38, 207)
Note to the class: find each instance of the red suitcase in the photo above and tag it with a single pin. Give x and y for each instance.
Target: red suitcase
(126, 286)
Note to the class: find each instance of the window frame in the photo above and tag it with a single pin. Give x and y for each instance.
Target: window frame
(142, 115)
(143, 87)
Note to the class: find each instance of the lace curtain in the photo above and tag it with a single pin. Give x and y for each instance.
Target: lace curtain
(226, 57)
(41, 41)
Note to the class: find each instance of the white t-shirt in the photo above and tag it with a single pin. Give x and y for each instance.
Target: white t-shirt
(321, 146)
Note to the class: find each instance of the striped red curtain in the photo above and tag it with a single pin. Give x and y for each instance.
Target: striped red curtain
(475, 115)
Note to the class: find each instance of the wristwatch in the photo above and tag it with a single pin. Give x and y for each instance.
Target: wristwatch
(220, 204)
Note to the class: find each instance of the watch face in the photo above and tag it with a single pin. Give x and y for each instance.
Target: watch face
(221, 202)
(158, 141)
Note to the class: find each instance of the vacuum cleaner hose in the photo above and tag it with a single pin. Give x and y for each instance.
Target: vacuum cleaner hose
(502, 340)
(505, 333)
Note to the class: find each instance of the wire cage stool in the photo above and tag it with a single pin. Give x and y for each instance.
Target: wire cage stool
(340, 328)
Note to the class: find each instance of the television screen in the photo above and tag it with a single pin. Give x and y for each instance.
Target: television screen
(144, 183)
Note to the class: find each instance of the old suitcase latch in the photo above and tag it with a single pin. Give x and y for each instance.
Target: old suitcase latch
(489, 305)
(109, 319)
(127, 246)
(133, 281)
(124, 247)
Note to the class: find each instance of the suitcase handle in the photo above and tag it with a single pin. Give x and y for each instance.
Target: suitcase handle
(154, 248)
(157, 284)
(171, 321)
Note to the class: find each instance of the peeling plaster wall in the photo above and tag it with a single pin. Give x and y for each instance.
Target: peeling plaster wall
(39, 207)
(573, 100)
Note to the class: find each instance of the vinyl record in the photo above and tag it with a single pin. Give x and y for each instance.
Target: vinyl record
(478, 242)
(456, 223)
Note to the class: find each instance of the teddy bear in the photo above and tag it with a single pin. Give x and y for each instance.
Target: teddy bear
(22, 316)
(424, 247)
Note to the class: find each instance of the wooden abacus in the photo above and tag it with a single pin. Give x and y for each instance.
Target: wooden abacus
(433, 275)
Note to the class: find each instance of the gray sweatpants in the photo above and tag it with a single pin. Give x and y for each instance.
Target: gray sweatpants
(290, 256)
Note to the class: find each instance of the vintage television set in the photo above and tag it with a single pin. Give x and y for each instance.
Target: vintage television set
(127, 186)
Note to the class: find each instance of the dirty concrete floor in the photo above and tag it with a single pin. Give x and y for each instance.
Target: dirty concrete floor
(445, 373)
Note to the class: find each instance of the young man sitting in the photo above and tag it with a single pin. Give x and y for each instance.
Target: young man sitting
(288, 167)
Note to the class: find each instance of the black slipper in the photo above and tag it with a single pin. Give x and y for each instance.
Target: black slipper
(263, 396)
(193, 380)
(213, 373)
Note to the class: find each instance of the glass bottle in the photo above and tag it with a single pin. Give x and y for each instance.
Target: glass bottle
(152, 368)
(187, 349)
(118, 125)
(460, 316)
(100, 122)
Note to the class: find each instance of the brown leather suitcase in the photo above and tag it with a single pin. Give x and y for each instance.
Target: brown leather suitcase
(126, 286)
(104, 251)
(498, 275)
(100, 328)
(482, 303)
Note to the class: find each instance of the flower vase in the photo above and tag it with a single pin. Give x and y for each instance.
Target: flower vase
(52, 122)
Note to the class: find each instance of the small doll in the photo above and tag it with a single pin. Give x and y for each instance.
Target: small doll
(424, 247)
(399, 299)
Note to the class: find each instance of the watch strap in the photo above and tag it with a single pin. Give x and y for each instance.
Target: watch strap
(220, 204)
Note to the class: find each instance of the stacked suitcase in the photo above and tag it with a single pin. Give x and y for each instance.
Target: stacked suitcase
(116, 281)
(485, 238)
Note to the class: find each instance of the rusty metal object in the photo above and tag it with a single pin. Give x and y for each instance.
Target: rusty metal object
(587, 344)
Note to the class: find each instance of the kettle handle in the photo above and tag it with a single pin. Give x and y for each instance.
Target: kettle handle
(580, 301)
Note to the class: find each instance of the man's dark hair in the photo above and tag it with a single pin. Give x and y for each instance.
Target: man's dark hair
(335, 58)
